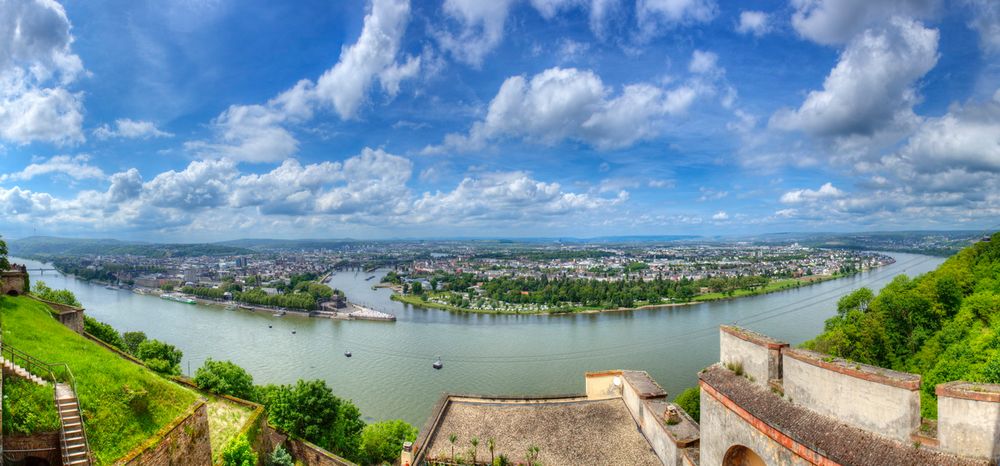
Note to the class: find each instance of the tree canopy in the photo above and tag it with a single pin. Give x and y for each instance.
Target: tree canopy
(225, 378)
(311, 411)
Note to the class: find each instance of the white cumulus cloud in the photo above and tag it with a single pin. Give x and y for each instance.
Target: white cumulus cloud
(872, 86)
(571, 104)
(833, 22)
(757, 23)
(127, 128)
(36, 65)
(76, 167)
(798, 196)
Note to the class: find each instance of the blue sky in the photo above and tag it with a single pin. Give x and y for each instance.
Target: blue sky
(200, 120)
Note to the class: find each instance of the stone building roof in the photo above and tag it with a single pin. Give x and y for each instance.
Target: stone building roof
(827, 436)
(568, 431)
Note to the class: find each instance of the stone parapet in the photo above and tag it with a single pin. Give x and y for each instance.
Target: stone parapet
(969, 419)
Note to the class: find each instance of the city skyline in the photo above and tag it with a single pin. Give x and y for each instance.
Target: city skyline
(207, 121)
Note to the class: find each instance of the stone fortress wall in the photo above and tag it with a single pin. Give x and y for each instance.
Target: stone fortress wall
(761, 398)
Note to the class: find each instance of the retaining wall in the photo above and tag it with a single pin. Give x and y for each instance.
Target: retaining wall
(44, 445)
(872, 398)
(70, 316)
(183, 442)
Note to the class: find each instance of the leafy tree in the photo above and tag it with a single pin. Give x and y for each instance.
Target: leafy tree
(417, 288)
(225, 378)
(690, 401)
(383, 441)
(132, 341)
(57, 296)
(311, 411)
(4, 263)
(280, 457)
(239, 453)
(855, 301)
(103, 332)
(160, 357)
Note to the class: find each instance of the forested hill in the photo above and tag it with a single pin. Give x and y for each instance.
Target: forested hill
(40, 247)
(944, 325)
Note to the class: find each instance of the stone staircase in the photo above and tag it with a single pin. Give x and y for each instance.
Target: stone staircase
(11, 367)
(75, 450)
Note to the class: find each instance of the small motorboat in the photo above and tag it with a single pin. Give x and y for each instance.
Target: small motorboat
(293, 332)
(438, 364)
(347, 353)
(269, 326)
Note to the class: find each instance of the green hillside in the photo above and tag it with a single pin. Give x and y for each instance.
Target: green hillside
(123, 403)
(944, 325)
(46, 247)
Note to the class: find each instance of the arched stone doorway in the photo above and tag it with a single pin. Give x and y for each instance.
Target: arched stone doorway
(12, 293)
(739, 455)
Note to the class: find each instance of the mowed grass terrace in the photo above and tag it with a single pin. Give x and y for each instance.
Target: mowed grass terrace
(123, 403)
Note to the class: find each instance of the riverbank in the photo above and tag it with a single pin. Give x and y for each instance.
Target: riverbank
(779, 285)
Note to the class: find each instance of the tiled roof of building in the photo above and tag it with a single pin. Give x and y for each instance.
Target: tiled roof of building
(835, 440)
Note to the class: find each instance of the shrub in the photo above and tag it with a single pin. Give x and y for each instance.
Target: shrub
(103, 332)
(57, 296)
(225, 378)
(311, 411)
(160, 357)
(383, 441)
(239, 453)
(690, 401)
(132, 341)
(280, 457)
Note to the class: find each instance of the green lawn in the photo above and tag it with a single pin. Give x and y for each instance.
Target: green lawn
(123, 403)
(28, 407)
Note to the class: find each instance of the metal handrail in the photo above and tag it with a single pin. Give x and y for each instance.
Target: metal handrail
(32, 365)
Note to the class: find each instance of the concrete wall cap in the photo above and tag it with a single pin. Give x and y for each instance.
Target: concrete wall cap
(753, 337)
(969, 391)
(867, 372)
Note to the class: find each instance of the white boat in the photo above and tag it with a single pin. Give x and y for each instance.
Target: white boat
(177, 297)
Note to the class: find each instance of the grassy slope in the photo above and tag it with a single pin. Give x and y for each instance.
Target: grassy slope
(113, 427)
(27, 407)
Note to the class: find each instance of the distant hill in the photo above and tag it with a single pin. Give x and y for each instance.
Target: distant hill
(286, 244)
(49, 246)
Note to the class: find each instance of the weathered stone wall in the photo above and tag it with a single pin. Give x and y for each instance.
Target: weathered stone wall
(181, 443)
(70, 316)
(872, 398)
(760, 356)
(722, 428)
(307, 453)
(969, 419)
(12, 282)
(44, 445)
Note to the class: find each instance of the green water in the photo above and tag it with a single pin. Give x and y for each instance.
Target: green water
(390, 373)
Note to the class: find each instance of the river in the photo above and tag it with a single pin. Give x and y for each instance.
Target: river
(390, 373)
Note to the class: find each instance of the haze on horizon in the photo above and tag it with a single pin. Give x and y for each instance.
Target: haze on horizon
(216, 120)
